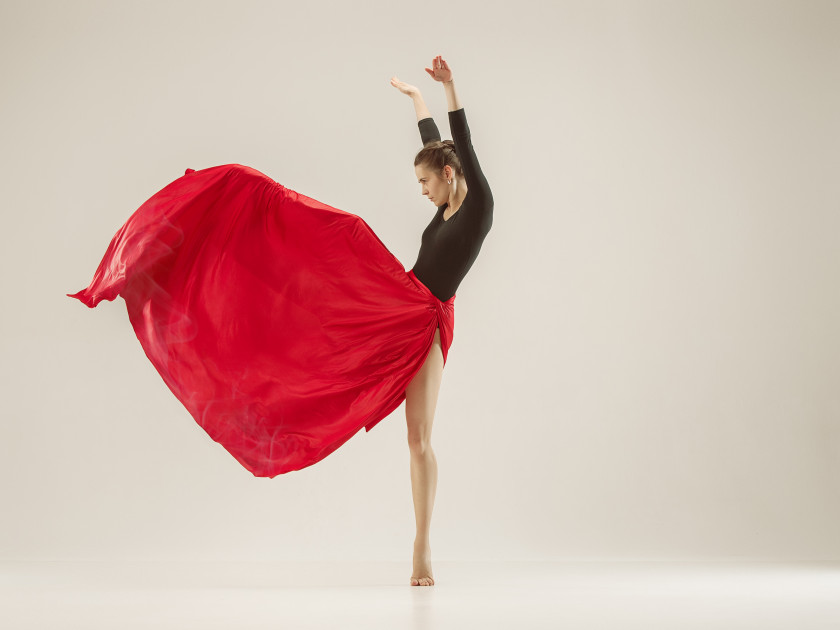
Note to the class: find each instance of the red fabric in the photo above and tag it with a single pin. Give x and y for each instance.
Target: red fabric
(282, 324)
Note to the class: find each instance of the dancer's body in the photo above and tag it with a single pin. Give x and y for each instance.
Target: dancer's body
(284, 325)
(449, 247)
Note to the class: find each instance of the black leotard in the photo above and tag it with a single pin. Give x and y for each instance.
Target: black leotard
(449, 248)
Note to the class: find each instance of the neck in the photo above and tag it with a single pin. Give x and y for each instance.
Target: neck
(457, 198)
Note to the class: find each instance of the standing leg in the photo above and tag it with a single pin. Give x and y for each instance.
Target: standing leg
(420, 401)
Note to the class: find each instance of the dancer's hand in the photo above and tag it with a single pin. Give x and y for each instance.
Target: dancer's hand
(403, 87)
(440, 70)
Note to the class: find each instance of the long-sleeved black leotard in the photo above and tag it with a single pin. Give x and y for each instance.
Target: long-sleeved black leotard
(449, 247)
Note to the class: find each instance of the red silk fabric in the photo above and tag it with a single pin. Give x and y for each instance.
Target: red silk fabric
(282, 324)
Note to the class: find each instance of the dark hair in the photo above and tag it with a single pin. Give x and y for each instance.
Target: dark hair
(437, 154)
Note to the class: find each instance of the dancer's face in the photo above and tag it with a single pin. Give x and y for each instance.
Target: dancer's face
(433, 185)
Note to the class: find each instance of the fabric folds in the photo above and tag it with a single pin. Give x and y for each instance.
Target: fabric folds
(282, 324)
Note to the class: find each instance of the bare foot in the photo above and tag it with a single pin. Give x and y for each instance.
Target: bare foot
(422, 573)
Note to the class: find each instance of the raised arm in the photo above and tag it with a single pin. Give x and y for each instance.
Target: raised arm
(428, 129)
(477, 185)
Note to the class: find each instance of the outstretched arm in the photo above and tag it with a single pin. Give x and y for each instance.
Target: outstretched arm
(477, 184)
(420, 106)
(428, 129)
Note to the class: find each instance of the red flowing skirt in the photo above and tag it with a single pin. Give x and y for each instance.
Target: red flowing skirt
(282, 324)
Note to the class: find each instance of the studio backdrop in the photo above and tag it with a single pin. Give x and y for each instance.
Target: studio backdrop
(645, 354)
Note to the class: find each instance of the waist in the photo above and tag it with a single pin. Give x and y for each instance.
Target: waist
(426, 289)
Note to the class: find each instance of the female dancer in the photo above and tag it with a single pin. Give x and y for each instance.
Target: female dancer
(450, 176)
(285, 325)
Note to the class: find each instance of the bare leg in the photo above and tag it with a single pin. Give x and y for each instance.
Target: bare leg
(420, 401)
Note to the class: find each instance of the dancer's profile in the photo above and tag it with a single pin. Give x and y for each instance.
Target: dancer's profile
(285, 325)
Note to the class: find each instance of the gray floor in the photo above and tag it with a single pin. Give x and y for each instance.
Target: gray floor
(573, 595)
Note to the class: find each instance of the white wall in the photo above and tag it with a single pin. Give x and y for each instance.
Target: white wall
(645, 361)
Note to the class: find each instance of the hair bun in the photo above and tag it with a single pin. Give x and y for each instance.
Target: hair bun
(434, 156)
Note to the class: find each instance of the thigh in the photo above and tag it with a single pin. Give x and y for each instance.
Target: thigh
(421, 395)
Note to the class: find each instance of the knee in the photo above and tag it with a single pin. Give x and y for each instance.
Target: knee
(419, 443)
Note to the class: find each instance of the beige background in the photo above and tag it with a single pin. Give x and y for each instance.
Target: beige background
(646, 356)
